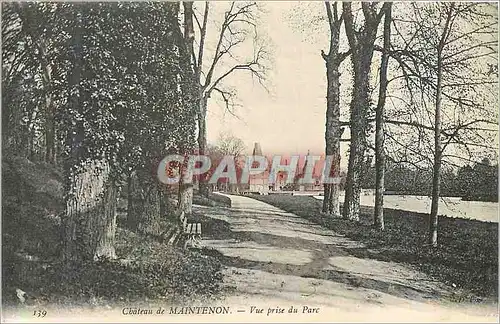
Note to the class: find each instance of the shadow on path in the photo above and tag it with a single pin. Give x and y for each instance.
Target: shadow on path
(256, 236)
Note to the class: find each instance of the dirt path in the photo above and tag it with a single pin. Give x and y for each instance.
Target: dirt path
(276, 259)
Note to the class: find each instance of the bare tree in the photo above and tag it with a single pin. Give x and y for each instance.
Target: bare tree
(228, 144)
(379, 123)
(212, 69)
(445, 52)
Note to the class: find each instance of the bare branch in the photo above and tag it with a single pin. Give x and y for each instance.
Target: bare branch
(203, 35)
(254, 67)
(242, 14)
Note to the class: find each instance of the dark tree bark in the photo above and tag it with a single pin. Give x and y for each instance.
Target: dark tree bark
(144, 204)
(379, 124)
(202, 143)
(361, 43)
(333, 129)
(74, 140)
(190, 90)
(202, 98)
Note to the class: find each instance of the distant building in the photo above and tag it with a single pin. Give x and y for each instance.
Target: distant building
(258, 182)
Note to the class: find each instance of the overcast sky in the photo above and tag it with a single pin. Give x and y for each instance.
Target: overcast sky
(291, 118)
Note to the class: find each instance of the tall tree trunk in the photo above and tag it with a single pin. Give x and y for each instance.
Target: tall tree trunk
(144, 204)
(106, 242)
(333, 133)
(50, 129)
(193, 91)
(333, 130)
(131, 221)
(433, 217)
(202, 99)
(202, 141)
(165, 205)
(106, 215)
(361, 43)
(436, 181)
(358, 121)
(185, 196)
(379, 125)
(185, 202)
(326, 198)
(89, 222)
(74, 141)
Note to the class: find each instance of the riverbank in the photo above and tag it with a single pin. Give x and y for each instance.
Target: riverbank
(448, 206)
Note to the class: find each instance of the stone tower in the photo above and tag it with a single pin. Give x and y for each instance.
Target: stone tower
(256, 149)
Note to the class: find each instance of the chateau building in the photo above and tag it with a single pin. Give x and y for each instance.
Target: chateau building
(259, 183)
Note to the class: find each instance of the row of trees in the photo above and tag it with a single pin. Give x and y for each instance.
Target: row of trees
(103, 93)
(478, 181)
(437, 82)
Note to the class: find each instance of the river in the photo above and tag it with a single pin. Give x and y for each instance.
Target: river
(448, 206)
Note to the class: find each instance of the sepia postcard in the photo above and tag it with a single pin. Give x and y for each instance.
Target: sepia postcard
(249, 162)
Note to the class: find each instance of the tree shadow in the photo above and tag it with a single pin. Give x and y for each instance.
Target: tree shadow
(319, 266)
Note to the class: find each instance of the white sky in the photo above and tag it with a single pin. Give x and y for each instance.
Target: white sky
(291, 118)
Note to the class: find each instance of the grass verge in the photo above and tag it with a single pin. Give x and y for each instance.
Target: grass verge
(213, 200)
(146, 271)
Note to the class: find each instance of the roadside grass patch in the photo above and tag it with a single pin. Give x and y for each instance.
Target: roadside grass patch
(213, 200)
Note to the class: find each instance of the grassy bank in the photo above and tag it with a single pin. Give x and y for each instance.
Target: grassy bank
(213, 200)
(146, 270)
(467, 255)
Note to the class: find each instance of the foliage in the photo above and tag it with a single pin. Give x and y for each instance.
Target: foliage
(212, 200)
(132, 91)
(31, 247)
(478, 182)
(108, 87)
(31, 206)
